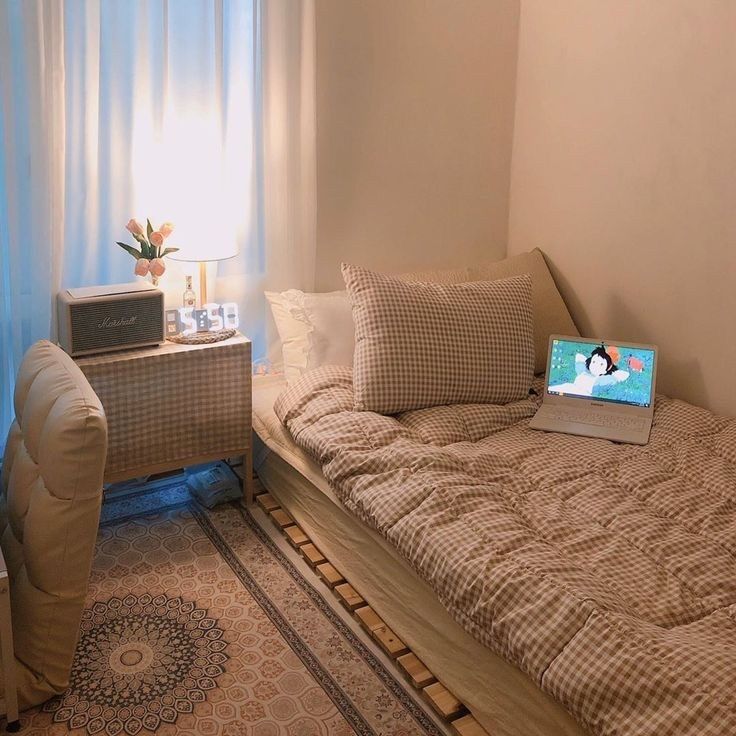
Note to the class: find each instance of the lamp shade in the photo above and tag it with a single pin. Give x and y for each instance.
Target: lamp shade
(204, 237)
(205, 249)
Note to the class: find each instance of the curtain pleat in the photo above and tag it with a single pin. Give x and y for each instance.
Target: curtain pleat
(31, 171)
(200, 112)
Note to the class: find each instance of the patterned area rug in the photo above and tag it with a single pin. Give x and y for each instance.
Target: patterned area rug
(197, 623)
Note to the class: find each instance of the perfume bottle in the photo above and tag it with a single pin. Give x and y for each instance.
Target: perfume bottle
(190, 298)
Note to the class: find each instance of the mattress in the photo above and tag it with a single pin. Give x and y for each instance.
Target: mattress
(603, 571)
(501, 697)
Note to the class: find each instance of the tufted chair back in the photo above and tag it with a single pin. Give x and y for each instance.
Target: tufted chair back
(51, 491)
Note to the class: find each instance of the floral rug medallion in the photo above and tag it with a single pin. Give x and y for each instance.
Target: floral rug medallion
(141, 661)
(198, 624)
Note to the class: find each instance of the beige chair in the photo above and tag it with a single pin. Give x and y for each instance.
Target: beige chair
(51, 484)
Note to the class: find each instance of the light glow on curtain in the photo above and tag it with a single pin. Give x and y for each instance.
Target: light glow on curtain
(198, 111)
(154, 140)
(191, 151)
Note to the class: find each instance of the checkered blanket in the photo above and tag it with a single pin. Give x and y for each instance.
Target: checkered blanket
(605, 572)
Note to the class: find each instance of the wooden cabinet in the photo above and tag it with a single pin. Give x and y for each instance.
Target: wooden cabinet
(174, 405)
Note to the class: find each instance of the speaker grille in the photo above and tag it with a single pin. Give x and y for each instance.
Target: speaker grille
(110, 324)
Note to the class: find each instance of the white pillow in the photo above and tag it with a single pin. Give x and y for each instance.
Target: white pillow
(315, 329)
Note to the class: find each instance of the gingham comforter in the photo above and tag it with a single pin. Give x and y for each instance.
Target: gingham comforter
(605, 572)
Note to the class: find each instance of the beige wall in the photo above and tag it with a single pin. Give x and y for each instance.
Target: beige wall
(414, 125)
(624, 173)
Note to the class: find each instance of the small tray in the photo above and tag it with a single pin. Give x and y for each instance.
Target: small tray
(202, 338)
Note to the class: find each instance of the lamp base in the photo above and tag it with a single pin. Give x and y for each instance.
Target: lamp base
(202, 284)
(202, 338)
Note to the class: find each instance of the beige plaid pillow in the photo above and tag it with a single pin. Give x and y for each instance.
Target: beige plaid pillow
(551, 316)
(422, 344)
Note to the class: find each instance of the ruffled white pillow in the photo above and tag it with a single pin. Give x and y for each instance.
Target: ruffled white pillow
(314, 329)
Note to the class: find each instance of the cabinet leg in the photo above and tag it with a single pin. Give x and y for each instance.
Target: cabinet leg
(248, 478)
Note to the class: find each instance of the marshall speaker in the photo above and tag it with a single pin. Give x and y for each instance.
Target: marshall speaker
(99, 319)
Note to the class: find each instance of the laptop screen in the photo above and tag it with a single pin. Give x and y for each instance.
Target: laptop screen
(615, 373)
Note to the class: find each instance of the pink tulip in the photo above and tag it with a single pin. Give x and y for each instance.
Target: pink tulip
(134, 227)
(156, 238)
(166, 229)
(158, 267)
(142, 266)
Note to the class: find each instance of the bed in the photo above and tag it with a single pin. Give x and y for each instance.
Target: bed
(603, 571)
(500, 697)
(556, 584)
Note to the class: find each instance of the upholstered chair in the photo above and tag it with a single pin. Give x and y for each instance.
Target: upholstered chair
(51, 484)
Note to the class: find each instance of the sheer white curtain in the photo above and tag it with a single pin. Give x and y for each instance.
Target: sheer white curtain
(198, 111)
(31, 181)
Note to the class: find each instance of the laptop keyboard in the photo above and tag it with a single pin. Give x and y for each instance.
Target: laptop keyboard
(597, 419)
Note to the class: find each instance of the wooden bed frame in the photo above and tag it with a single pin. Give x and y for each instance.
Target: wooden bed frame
(443, 702)
(490, 698)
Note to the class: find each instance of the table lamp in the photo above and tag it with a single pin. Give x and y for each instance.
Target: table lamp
(210, 322)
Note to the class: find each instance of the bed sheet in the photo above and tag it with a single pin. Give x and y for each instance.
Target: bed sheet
(603, 571)
(501, 698)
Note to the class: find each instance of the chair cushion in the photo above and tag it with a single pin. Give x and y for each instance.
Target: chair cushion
(51, 484)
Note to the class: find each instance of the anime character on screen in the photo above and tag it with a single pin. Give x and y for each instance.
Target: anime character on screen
(597, 370)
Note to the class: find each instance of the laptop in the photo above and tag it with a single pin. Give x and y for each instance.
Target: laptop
(598, 388)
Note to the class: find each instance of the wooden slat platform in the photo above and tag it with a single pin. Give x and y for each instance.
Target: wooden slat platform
(296, 536)
(312, 555)
(329, 575)
(389, 642)
(281, 518)
(415, 670)
(468, 726)
(381, 633)
(442, 701)
(369, 619)
(349, 597)
(267, 502)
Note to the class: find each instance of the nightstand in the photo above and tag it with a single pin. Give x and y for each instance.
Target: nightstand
(174, 405)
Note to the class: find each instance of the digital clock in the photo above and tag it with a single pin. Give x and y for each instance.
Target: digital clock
(187, 321)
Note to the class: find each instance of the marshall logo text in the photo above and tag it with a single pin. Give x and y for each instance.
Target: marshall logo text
(120, 322)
